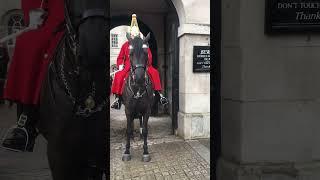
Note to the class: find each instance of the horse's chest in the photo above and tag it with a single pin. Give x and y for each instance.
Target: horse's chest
(138, 105)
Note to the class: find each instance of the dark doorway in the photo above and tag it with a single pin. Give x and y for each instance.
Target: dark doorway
(215, 85)
(171, 66)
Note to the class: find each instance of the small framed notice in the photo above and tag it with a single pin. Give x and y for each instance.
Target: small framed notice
(201, 58)
(292, 16)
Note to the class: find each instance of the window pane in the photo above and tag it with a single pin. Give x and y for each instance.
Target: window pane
(114, 40)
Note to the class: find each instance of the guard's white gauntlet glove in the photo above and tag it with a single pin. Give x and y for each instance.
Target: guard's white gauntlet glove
(37, 17)
(120, 67)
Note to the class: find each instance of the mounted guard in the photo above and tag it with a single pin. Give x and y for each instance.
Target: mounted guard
(33, 52)
(123, 64)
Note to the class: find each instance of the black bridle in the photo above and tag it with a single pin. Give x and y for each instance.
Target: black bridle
(138, 94)
(133, 68)
(72, 31)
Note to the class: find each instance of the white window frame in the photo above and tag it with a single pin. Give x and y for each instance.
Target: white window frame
(15, 23)
(114, 40)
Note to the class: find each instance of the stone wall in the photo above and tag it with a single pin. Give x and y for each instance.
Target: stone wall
(270, 99)
(194, 91)
(9, 5)
(194, 88)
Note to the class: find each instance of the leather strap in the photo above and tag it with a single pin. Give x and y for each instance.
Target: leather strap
(94, 13)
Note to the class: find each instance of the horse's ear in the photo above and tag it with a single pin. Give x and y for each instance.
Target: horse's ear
(146, 39)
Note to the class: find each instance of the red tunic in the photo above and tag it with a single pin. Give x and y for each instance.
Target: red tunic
(119, 78)
(32, 54)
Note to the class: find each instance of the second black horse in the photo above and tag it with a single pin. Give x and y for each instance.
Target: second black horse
(138, 94)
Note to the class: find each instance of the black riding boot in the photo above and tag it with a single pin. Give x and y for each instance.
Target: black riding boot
(22, 136)
(117, 103)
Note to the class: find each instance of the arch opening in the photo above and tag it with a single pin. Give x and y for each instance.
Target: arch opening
(160, 18)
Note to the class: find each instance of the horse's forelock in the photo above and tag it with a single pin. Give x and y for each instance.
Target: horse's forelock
(137, 44)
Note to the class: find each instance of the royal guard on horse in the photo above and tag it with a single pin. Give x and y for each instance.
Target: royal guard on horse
(123, 64)
(33, 52)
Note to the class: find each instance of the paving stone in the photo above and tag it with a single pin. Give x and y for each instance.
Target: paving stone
(171, 157)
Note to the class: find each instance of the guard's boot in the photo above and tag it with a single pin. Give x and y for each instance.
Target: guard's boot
(117, 103)
(163, 100)
(22, 136)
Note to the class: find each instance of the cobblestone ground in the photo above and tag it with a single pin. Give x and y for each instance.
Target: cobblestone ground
(171, 157)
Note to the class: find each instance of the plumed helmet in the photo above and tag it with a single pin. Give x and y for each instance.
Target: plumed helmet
(134, 28)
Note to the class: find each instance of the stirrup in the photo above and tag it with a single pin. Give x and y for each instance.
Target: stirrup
(20, 126)
(164, 101)
(116, 104)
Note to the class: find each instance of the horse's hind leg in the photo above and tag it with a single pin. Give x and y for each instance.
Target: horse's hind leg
(126, 155)
(146, 157)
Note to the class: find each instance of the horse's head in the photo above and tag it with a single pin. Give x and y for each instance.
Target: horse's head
(86, 46)
(138, 57)
(86, 19)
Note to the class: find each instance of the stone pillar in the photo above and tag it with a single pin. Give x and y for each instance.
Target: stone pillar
(270, 99)
(194, 88)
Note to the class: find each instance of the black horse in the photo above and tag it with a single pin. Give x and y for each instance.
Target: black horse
(138, 92)
(73, 99)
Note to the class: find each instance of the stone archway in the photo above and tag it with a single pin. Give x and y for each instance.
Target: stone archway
(193, 102)
(11, 22)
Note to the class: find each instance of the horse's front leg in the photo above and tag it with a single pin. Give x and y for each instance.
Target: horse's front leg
(126, 155)
(132, 130)
(146, 157)
(141, 127)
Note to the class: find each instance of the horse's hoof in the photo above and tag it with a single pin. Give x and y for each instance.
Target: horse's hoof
(126, 157)
(146, 158)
